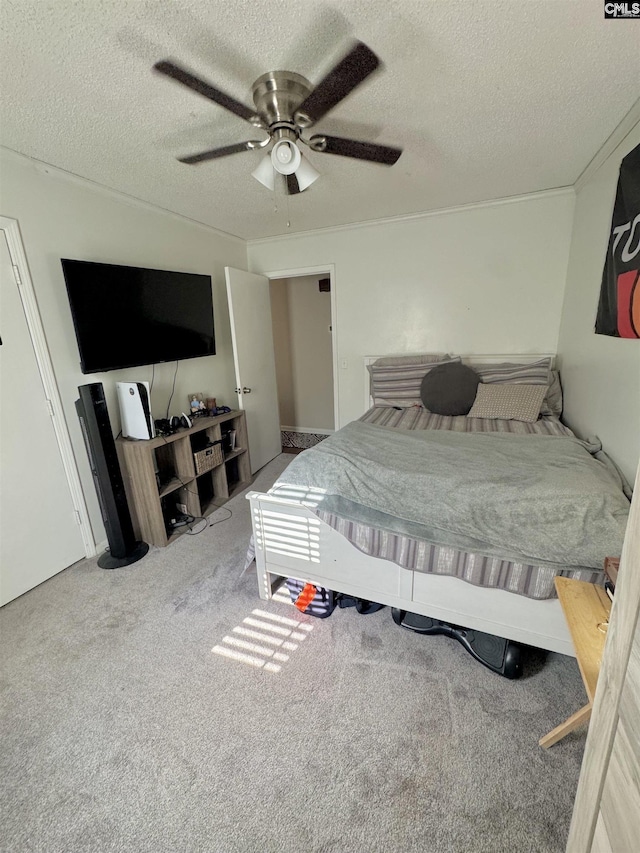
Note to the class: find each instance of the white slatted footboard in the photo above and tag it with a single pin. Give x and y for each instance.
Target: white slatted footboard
(290, 541)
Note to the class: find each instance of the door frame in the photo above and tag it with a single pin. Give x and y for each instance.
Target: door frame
(330, 269)
(35, 328)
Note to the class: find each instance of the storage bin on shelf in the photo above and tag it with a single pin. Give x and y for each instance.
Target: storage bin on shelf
(208, 458)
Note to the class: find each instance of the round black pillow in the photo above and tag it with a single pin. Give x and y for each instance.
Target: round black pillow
(449, 389)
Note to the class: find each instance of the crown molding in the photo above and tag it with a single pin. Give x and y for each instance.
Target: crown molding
(411, 217)
(618, 136)
(71, 177)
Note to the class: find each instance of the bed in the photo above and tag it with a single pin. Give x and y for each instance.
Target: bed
(395, 543)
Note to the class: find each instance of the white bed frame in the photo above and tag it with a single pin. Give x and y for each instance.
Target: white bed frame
(291, 541)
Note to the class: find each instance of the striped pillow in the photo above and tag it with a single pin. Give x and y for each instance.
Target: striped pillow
(508, 401)
(533, 373)
(396, 380)
(552, 403)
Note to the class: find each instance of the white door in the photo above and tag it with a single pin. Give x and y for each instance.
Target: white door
(252, 338)
(39, 532)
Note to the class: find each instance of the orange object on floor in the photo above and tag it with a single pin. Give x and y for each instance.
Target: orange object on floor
(306, 596)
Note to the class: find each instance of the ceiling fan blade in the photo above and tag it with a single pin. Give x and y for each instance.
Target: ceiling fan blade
(217, 152)
(216, 95)
(343, 78)
(385, 154)
(293, 188)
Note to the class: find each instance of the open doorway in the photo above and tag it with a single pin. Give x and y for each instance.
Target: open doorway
(301, 313)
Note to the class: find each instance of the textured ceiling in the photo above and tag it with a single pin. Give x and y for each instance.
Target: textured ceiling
(488, 98)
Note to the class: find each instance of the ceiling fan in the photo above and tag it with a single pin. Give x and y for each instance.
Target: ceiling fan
(286, 104)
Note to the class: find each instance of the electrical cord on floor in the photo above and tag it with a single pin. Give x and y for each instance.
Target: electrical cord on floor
(186, 521)
(190, 520)
(220, 520)
(190, 530)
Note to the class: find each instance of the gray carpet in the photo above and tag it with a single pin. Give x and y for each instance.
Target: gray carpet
(124, 731)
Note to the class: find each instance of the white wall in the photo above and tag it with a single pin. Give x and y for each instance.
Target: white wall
(64, 218)
(484, 279)
(282, 349)
(301, 317)
(601, 374)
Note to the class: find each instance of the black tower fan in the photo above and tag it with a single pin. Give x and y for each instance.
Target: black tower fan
(107, 477)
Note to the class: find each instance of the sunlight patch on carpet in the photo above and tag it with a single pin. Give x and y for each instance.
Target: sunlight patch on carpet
(260, 642)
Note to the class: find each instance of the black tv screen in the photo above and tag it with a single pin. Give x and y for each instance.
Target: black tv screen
(129, 316)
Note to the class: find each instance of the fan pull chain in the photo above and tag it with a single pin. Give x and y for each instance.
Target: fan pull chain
(286, 202)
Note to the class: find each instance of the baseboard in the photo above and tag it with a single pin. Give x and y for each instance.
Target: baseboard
(101, 546)
(311, 430)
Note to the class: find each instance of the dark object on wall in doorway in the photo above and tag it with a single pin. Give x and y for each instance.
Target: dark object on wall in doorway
(107, 477)
(324, 285)
(499, 655)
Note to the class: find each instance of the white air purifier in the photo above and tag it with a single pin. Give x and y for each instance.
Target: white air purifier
(135, 410)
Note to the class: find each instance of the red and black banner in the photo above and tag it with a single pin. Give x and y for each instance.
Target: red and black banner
(619, 306)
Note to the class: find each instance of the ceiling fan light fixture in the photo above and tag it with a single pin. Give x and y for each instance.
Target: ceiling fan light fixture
(306, 174)
(265, 174)
(285, 157)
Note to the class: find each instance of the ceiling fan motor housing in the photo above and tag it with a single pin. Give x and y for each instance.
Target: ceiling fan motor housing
(277, 94)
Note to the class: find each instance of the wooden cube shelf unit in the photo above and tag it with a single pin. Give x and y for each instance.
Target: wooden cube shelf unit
(160, 473)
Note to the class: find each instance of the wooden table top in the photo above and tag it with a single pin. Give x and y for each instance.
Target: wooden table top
(586, 606)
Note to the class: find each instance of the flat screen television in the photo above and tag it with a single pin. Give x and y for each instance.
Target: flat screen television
(129, 316)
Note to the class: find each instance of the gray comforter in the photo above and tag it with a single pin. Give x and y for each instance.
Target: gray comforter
(537, 499)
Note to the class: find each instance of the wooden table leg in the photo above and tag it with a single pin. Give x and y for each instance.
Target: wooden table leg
(571, 723)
